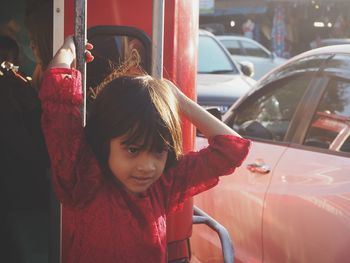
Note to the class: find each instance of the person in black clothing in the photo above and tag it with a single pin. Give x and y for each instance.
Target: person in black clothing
(9, 50)
(24, 184)
(23, 153)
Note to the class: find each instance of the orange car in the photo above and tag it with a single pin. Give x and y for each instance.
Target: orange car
(290, 199)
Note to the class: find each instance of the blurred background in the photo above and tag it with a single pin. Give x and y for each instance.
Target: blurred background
(286, 27)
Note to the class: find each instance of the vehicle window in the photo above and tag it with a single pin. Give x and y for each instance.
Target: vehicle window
(346, 146)
(330, 127)
(254, 50)
(232, 46)
(268, 115)
(212, 59)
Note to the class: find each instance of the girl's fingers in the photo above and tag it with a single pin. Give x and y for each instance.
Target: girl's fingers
(88, 56)
(89, 46)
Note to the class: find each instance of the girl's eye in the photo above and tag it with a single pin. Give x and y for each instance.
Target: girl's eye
(163, 150)
(133, 150)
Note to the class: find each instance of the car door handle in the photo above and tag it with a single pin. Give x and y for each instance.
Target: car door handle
(259, 168)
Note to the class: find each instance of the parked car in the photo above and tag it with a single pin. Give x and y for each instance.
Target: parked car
(220, 80)
(243, 48)
(329, 42)
(290, 199)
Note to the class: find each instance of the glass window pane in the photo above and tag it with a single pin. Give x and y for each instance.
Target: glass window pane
(212, 58)
(267, 116)
(330, 127)
(232, 46)
(346, 146)
(254, 50)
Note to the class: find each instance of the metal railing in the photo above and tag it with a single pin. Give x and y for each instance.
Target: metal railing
(200, 217)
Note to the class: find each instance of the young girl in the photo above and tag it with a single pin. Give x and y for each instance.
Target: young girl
(120, 179)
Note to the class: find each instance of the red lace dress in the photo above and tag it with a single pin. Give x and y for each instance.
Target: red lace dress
(103, 223)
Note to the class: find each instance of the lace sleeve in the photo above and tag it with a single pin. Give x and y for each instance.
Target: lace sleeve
(75, 171)
(200, 171)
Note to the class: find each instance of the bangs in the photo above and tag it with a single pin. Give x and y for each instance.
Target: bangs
(147, 115)
(152, 136)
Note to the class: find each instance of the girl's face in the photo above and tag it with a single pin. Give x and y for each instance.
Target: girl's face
(136, 169)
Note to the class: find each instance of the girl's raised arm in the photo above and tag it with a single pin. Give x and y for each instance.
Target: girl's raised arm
(209, 125)
(199, 171)
(75, 172)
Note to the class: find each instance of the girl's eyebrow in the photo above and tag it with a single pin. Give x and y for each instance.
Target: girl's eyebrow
(126, 142)
(129, 142)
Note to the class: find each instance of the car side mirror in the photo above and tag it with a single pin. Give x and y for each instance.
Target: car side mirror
(247, 68)
(215, 112)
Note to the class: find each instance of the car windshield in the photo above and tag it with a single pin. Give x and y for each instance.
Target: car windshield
(212, 58)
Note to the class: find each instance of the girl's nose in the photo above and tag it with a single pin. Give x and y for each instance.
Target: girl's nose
(146, 163)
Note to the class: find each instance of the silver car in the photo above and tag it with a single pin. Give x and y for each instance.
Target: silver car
(243, 48)
(220, 80)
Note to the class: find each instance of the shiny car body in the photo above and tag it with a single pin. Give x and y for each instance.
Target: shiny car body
(243, 48)
(329, 42)
(220, 81)
(290, 199)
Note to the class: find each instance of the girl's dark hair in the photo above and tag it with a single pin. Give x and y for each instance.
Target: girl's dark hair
(142, 108)
(39, 22)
